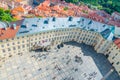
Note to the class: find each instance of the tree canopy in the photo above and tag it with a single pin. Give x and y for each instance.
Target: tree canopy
(5, 15)
(107, 5)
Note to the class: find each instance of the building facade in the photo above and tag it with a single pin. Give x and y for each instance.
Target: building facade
(34, 32)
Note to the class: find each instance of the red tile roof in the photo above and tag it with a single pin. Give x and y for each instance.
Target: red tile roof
(118, 45)
(9, 33)
(117, 42)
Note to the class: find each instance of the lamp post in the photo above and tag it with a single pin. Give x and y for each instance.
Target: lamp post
(111, 70)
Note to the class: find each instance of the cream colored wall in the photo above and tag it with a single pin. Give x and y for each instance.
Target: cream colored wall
(62, 35)
(114, 56)
(102, 45)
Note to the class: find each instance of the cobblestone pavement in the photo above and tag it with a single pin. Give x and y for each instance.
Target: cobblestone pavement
(71, 62)
(100, 60)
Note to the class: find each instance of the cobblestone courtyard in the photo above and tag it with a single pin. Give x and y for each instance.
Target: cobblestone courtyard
(72, 62)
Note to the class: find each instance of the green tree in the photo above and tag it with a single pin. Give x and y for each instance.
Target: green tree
(1, 11)
(107, 5)
(7, 11)
(5, 15)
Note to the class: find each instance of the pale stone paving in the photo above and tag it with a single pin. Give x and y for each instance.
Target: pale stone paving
(58, 64)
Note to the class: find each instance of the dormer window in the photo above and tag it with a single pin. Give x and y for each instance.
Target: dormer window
(103, 25)
(90, 22)
(78, 22)
(46, 22)
(82, 19)
(70, 18)
(34, 25)
(53, 19)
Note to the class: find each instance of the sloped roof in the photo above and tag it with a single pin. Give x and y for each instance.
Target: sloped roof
(3, 24)
(36, 25)
(18, 9)
(8, 33)
(108, 33)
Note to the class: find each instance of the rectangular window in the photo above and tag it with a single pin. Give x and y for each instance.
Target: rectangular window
(13, 43)
(2, 45)
(23, 46)
(1, 40)
(18, 42)
(9, 49)
(117, 63)
(27, 45)
(113, 57)
(14, 48)
(6, 39)
(3, 51)
(18, 47)
(12, 38)
(22, 41)
(7, 44)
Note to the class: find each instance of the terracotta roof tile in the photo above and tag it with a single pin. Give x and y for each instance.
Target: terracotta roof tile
(9, 33)
(117, 41)
(19, 9)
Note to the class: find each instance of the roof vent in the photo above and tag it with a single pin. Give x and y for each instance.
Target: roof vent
(34, 25)
(72, 25)
(53, 19)
(14, 26)
(70, 18)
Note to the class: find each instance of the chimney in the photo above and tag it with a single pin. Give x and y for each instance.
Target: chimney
(5, 28)
(26, 25)
(14, 26)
